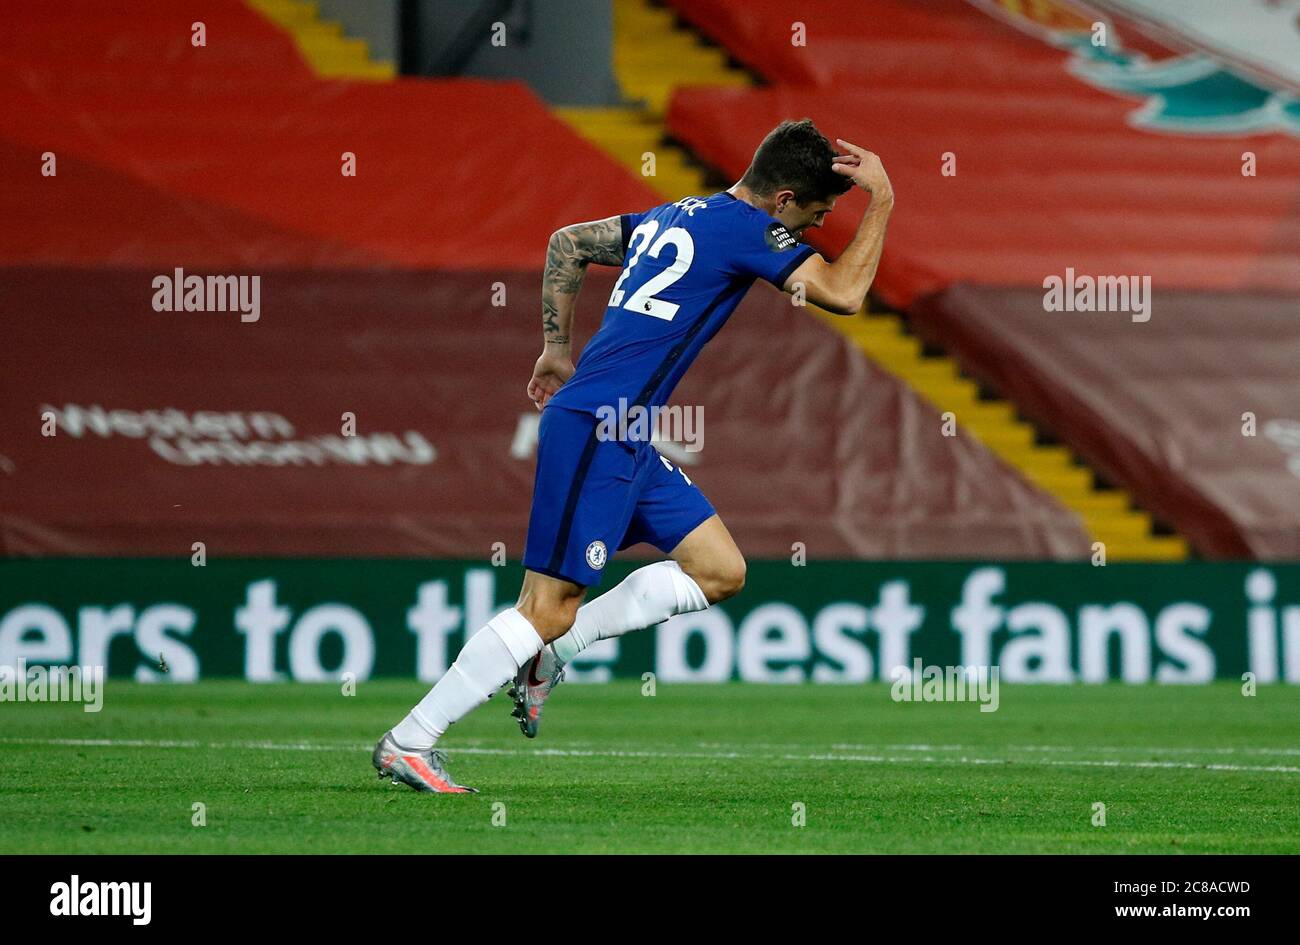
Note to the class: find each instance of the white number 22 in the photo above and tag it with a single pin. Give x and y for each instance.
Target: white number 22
(643, 301)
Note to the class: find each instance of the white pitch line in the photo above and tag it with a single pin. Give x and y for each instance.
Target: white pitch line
(1077, 749)
(668, 755)
(1085, 749)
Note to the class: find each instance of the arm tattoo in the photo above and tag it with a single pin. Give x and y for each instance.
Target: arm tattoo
(549, 325)
(567, 257)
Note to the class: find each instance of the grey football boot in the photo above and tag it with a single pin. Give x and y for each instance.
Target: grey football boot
(534, 684)
(425, 771)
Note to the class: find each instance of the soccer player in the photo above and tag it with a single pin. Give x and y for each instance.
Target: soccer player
(685, 268)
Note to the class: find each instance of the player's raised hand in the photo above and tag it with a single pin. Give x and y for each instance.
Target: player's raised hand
(865, 169)
(549, 374)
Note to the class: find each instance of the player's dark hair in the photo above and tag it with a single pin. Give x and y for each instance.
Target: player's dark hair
(795, 156)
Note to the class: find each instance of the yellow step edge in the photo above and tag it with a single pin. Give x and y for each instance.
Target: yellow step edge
(623, 133)
(1100, 502)
(992, 412)
(684, 57)
(329, 52)
(1160, 548)
(1009, 442)
(1036, 454)
(687, 69)
(957, 394)
(325, 44)
(1058, 481)
(1111, 528)
(313, 28)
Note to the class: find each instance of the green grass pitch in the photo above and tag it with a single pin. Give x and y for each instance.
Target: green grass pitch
(691, 769)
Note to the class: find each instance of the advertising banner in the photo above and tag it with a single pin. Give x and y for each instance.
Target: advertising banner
(267, 620)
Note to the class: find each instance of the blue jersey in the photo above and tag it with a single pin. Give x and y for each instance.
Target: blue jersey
(686, 266)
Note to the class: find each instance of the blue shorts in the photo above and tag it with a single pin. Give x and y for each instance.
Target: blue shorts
(593, 496)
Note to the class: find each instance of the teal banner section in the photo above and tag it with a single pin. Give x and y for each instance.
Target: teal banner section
(819, 622)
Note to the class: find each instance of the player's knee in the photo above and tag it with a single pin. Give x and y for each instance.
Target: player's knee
(725, 579)
(551, 619)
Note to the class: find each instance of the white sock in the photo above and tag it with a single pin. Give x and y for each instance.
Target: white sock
(647, 596)
(487, 660)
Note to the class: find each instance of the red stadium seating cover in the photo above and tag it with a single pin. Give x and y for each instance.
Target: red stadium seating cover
(231, 154)
(803, 440)
(941, 44)
(1051, 173)
(1158, 405)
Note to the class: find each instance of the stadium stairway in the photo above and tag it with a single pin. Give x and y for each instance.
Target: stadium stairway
(322, 43)
(645, 37)
(1106, 513)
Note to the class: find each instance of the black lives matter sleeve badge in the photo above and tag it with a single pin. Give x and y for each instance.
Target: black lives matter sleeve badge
(779, 238)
